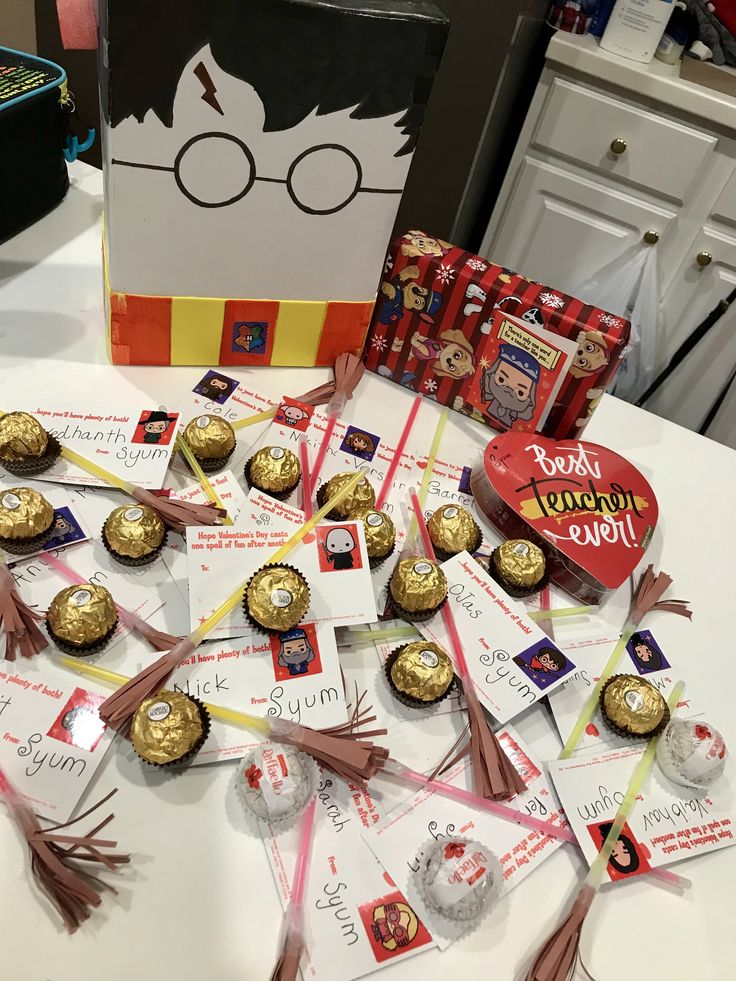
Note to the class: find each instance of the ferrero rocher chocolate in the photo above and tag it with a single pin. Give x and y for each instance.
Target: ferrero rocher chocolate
(210, 437)
(418, 587)
(633, 707)
(360, 498)
(134, 531)
(452, 530)
(277, 597)
(422, 671)
(167, 727)
(24, 514)
(519, 563)
(380, 533)
(21, 436)
(82, 615)
(274, 470)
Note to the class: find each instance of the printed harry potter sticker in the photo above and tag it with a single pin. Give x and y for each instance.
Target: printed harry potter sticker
(543, 663)
(392, 926)
(216, 387)
(295, 415)
(628, 858)
(646, 653)
(295, 653)
(79, 724)
(155, 427)
(338, 548)
(359, 443)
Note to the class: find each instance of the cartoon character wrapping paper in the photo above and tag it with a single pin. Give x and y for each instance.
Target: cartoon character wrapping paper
(434, 315)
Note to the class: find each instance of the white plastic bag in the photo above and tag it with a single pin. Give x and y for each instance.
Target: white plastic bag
(628, 287)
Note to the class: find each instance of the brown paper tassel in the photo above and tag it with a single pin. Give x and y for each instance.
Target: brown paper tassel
(318, 396)
(648, 597)
(348, 371)
(558, 955)
(179, 515)
(346, 748)
(287, 966)
(18, 622)
(61, 863)
(118, 710)
(159, 640)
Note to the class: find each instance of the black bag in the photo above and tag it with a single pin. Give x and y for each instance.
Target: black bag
(33, 129)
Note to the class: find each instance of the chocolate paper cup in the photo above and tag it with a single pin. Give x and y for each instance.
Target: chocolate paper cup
(183, 761)
(413, 617)
(27, 546)
(252, 620)
(210, 465)
(278, 495)
(333, 515)
(84, 650)
(37, 464)
(128, 560)
(518, 592)
(408, 700)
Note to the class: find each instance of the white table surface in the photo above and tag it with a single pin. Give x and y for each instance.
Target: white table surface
(200, 901)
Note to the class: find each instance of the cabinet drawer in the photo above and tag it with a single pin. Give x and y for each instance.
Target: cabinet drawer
(659, 154)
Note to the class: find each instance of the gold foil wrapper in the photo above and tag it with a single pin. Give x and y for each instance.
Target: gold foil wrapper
(380, 532)
(210, 437)
(361, 497)
(422, 670)
(21, 436)
(632, 705)
(24, 513)
(519, 563)
(166, 727)
(134, 530)
(274, 469)
(82, 614)
(418, 585)
(452, 530)
(277, 597)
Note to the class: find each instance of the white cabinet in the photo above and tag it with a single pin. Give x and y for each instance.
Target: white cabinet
(611, 150)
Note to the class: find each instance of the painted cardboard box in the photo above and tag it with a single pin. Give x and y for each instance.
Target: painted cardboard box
(255, 153)
(438, 310)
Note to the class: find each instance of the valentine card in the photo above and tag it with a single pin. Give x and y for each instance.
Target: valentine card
(356, 918)
(520, 371)
(293, 675)
(512, 661)
(69, 527)
(225, 486)
(333, 560)
(642, 656)
(669, 822)
(217, 393)
(38, 582)
(53, 739)
(397, 838)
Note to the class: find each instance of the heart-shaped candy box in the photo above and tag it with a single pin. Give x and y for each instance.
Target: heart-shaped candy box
(592, 511)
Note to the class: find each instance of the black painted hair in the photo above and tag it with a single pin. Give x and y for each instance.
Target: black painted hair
(557, 656)
(629, 846)
(655, 664)
(299, 56)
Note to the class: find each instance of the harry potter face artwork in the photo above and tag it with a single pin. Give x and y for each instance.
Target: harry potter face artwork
(509, 385)
(285, 128)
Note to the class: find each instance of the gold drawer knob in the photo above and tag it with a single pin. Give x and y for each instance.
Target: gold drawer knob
(618, 146)
(703, 259)
(651, 237)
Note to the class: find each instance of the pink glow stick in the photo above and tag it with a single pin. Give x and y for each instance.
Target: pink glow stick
(306, 479)
(322, 451)
(395, 768)
(400, 447)
(299, 883)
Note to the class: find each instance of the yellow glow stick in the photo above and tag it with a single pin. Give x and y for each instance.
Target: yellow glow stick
(97, 471)
(242, 719)
(198, 635)
(363, 638)
(253, 420)
(598, 868)
(591, 703)
(564, 611)
(182, 446)
(424, 486)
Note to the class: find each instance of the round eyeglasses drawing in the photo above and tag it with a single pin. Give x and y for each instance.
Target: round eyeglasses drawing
(235, 174)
